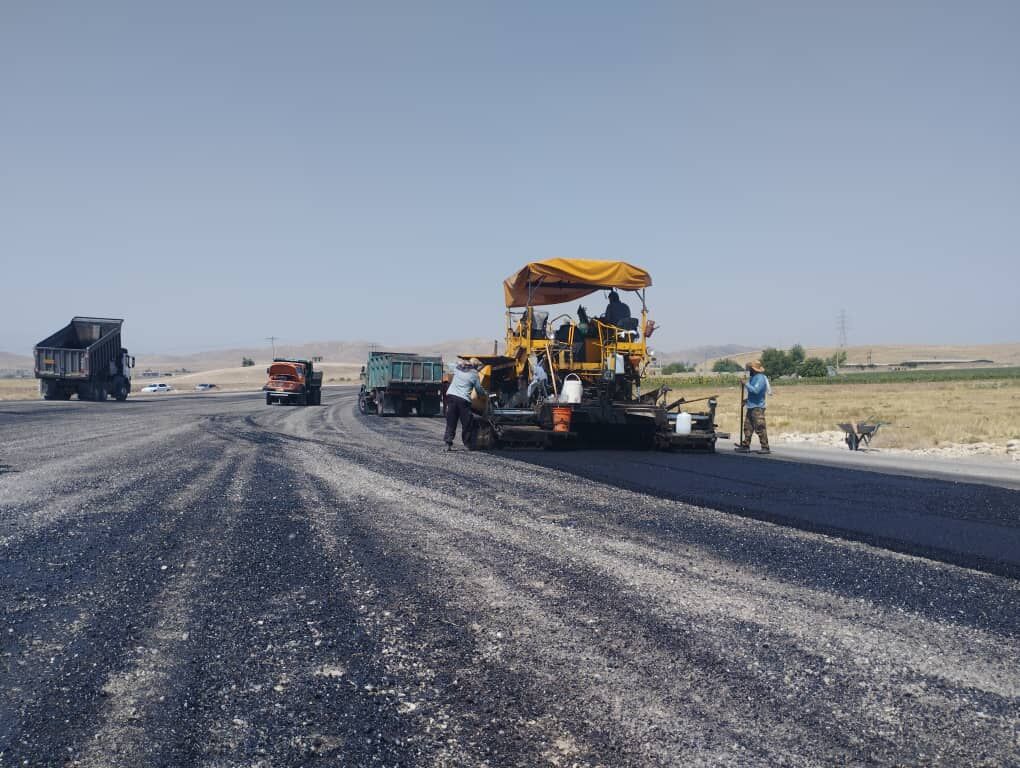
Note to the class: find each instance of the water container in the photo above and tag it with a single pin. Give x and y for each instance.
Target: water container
(620, 370)
(571, 392)
(683, 423)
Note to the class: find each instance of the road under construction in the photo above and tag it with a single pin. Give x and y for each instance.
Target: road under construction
(202, 580)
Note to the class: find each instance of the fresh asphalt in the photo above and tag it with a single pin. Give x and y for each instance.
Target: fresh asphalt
(204, 580)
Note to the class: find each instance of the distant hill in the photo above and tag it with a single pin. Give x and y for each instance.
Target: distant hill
(353, 352)
(698, 355)
(9, 362)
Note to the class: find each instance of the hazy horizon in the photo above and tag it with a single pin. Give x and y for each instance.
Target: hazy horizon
(216, 174)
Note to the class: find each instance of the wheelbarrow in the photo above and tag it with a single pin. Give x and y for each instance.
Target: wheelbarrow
(856, 434)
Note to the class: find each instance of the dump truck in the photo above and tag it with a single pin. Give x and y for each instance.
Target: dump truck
(293, 382)
(577, 378)
(84, 358)
(395, 383)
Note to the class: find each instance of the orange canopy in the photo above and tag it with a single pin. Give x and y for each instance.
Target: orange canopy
(555, 281)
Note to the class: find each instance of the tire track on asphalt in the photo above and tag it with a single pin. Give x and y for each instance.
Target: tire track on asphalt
(394, 503)
(87, 610)
(283, 675)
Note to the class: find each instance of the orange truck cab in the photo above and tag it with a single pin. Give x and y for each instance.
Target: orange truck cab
(293, 381)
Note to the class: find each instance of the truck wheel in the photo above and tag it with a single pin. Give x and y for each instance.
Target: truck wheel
(49, 392)
(121, 389)
(100, 393)
(363, 402)
(380, 403)
(269, 400)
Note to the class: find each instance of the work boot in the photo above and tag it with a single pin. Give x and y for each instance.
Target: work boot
(764, 451)
(742, 449)
(449, 445)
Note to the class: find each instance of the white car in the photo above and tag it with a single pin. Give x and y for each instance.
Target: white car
(205, 387)
(157, 388)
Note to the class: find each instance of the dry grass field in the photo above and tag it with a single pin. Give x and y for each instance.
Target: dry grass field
(19, 389)
(921, 415)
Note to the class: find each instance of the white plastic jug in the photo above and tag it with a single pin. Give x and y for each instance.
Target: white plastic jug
(683, 423)
(571, 392)
(620, 369)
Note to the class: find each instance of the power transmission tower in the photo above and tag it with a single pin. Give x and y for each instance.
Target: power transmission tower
(272, 339)
(841, 329)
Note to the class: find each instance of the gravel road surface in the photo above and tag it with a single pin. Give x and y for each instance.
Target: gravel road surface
(208, 581)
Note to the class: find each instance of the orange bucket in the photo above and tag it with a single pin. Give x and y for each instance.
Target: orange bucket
(561, 419)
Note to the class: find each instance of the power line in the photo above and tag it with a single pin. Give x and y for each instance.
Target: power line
(273, 339)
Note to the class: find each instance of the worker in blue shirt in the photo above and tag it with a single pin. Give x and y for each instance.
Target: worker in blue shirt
(755, 391)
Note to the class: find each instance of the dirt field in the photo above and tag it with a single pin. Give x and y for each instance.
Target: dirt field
(922, 415)
(226, 379)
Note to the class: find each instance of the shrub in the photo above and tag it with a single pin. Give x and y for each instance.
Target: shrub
(677, 368)
(726, 365)
(813, 368)
(247, 362)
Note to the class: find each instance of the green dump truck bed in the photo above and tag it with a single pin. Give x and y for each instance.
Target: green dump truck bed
(395, 383)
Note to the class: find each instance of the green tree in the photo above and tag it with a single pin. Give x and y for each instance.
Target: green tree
(796, 355)
(837, 359)
(677, 368)
(247, 362)
(726, 365)
(776, 362)
(813, 368)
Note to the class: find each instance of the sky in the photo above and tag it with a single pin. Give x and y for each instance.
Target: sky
(219, 172)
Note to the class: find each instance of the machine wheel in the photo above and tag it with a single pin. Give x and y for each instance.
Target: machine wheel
(269, 400)
(121, 389)
(100, 393)
(380, 404)
(363, 402)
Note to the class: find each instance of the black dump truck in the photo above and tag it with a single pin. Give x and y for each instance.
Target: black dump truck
(395, 383)
(84, 358)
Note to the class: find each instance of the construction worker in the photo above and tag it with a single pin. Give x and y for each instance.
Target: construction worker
(465, 381)
(755, 391)
(616, 310)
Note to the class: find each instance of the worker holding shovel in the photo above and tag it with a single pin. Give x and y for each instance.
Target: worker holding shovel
(753, 396)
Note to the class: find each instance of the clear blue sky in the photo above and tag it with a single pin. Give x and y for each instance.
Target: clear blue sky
(218, 172)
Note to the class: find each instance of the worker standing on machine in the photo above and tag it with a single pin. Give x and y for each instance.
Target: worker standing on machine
(755, 392)
(465, 381)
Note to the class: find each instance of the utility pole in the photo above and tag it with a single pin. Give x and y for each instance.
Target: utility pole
(272, 340)
(841, 329)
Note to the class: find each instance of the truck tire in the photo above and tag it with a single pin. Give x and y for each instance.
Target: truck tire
(363, 402)
(269, 400)
(49, 392)
(380, 403)
(121, 389)
(100, 392)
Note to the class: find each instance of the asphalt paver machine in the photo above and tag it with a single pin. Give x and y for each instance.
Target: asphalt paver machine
(576, 378)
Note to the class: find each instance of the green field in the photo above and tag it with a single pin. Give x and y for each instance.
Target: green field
(869, 377)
